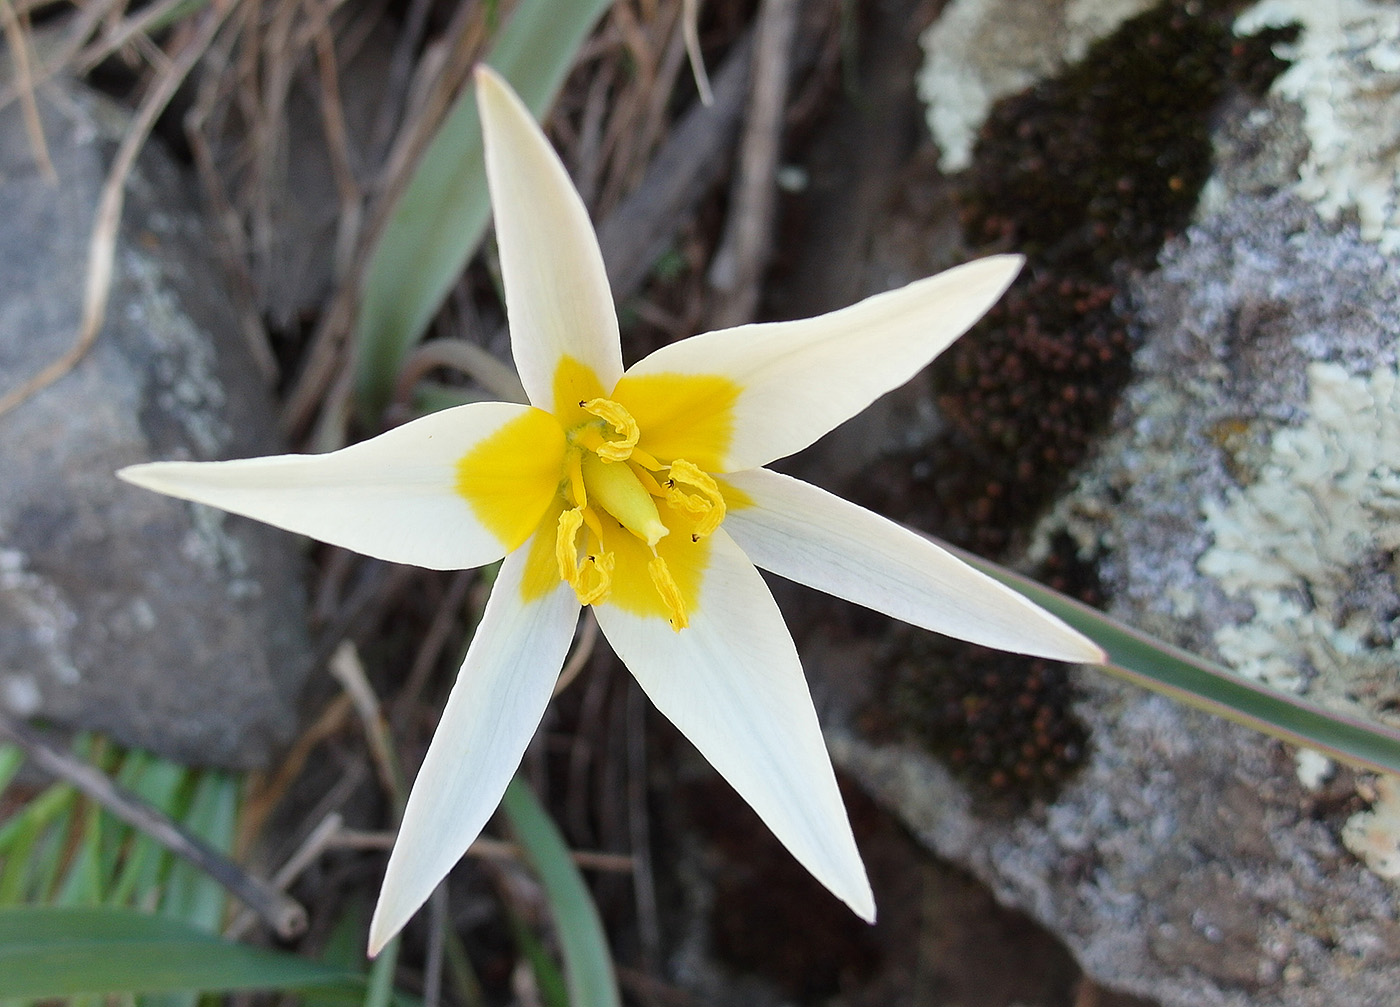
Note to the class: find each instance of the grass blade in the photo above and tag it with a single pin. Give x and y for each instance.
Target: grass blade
(439, 219)
(588, 968)
(1138, 658)
(50, 952)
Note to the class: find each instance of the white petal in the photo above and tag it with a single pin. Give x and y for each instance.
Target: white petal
(797, 380)
(732, 683)
(558, 300)
(392, 497)
(813, 537)
(495, 706)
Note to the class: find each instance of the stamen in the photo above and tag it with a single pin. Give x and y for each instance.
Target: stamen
(709, 503)
(670, 594)
(647, 479)
(576, 485)
(566, 546)
(590, 518)
(595, 579)
(620, 420)
(645, 460)
(591, 580)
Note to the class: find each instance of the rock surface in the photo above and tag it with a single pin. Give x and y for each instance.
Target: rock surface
(1243, 506)
(168, 627)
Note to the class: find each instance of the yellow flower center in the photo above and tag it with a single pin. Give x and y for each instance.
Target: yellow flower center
(611, 492)
(611, 487)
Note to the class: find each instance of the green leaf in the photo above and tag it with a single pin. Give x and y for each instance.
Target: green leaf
(51, 952)
(588, 967)
(1138, 658)
(438, 221)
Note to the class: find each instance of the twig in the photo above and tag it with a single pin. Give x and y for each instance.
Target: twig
(338, 146)
(118, 34)
(690, 21)
(638, 828)
(286, 917)
(305, 855)
(431, 648)
(483, 367)
(489, 849)
(350, 673)
(18, 41)
(103, 242)
(265, 798)
(692, 159)
(325, 357)
(583, 650)
(437, 934)
(742, 257)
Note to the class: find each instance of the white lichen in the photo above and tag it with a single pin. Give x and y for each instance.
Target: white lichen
(1294, 543)
(1314, 768)
(1374, 835)
(979, 51)
(1345, 75)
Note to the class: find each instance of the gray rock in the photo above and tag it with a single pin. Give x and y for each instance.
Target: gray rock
(1187, 862)
(1244, 506)
(169, 627)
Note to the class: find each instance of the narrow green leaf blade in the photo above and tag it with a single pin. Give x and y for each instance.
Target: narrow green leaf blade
(1138, 658)
(439, 219)
(50, 952)
(588, 967)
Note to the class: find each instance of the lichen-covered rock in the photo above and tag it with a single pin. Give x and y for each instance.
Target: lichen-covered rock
(1345, 79)
(170, 628)
(1243, 505)
(979, 51)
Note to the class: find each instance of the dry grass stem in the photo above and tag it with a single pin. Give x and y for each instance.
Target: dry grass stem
(447, 616)
(690, 18)
(286, 917)
(346, 668)
(583, 650)
(742, 257)
(103, 242)
(265, 795)
(306, 854)
(18, 40)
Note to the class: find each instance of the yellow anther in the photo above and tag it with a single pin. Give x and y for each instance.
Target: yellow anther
(621, 421)
(670, 594)
(708, 503)
(566, 546)
(595, 579)
(592, 579)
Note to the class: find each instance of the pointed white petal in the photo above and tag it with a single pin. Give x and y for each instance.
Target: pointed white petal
(797, 380)
(811, 536)
(732, 683)
(394, 497)
(495, 706)
(558, 300)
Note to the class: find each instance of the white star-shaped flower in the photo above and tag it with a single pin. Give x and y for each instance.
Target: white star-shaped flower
(641, 492)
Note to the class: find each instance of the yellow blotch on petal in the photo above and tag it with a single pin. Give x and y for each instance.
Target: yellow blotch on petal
(734, 497)
(510, 477)
(687, 416)
(541, 574)
(634, 588)
(574, 382)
